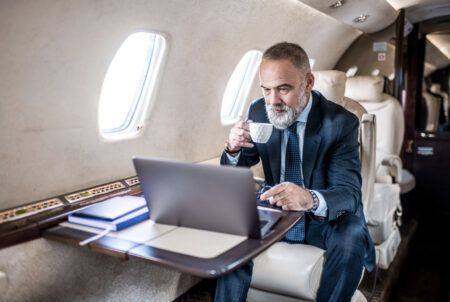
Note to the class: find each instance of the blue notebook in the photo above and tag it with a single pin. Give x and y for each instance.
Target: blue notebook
(114, 214)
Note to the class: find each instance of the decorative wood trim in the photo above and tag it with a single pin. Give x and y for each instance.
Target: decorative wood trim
(30, 227)
(414, 73)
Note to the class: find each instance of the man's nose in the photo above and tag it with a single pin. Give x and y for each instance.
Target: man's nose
(274, 97)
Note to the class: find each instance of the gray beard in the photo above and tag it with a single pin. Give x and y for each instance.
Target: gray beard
(282, 120)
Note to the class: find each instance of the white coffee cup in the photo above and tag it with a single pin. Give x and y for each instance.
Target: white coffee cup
(260, 132)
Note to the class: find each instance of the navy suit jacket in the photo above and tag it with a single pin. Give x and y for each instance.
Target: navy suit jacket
(331, 162)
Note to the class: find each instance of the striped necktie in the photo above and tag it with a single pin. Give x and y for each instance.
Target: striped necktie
(293, 173)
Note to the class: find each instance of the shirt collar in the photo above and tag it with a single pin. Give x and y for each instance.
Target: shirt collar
(303, 117)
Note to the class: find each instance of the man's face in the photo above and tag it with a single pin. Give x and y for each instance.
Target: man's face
(286, 91)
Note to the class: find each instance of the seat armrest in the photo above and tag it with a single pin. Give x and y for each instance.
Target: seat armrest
(394, 165)
(289, 269)
(367, 155)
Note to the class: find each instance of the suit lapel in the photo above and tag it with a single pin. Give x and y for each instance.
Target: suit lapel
(311, 141)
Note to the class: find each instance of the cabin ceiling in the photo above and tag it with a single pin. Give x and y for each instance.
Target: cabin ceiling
(434, 58)
(442, 42)
(380, 13)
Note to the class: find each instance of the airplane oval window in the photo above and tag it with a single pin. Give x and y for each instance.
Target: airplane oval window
(129, 84)
(238, 87)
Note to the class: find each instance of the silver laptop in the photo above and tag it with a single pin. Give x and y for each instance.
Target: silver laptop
(213, 198)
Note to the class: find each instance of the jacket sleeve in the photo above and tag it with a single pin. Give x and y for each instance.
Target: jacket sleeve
(343, 193)
(247, 158)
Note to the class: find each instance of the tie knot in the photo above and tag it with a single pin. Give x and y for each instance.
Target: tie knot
(293, 128)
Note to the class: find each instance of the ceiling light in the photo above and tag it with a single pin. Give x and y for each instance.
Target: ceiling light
(337, 4)
(361, 18)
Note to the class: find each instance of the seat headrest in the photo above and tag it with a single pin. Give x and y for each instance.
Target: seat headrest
(365, 88)
(331, 84)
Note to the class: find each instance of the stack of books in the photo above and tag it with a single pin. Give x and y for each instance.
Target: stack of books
(113, 214)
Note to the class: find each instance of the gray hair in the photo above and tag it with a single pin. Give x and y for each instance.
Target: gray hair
(291, 52)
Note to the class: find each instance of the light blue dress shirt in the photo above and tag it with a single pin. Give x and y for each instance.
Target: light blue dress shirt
(301, 125)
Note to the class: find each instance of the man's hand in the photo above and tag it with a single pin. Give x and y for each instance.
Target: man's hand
(239, 137)
(289, 197)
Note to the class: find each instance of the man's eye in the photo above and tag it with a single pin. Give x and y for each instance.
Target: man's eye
(284, 90)
(266, 91)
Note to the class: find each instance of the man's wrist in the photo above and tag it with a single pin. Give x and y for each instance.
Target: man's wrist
(229, 151)
(315, 201)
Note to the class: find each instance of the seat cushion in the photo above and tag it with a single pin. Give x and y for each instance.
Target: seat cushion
(289, 269)
(388, 249)
(380, 212)
(381, 231)
(386, 197)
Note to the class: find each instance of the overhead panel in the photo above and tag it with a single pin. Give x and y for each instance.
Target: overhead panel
(366, 15)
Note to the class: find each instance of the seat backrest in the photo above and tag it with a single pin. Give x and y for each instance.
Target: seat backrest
(331, 83)
(390, 125)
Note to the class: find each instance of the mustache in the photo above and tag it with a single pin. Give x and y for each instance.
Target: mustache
(281, 115)
(281, 106)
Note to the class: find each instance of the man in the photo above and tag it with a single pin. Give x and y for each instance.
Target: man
(312, 163)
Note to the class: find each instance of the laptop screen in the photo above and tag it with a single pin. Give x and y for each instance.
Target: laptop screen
(213, 198)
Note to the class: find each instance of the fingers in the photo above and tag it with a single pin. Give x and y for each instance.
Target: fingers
(288, 196)
(240, 136)
(280, 198)
(244, 124)
(274, 191)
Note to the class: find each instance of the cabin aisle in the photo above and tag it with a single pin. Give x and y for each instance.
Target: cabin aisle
(425, 276)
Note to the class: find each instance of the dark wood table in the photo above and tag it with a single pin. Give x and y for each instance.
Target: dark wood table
(205, 268)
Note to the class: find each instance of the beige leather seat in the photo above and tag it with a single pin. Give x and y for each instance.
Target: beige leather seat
(331, 83)
(288, 272)
(380, 212)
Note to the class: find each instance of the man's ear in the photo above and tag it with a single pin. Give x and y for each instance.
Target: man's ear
(309, 81)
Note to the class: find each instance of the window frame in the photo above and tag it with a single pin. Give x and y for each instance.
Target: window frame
(133, 122)
(235, 98)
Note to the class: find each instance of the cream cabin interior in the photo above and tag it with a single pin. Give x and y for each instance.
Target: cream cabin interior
(387, 61)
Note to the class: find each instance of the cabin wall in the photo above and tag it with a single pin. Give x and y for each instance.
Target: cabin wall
(361, 54)
(43, 270)
(54, 55)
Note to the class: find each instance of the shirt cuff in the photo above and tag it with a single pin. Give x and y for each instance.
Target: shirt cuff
(232, 160)
(323, 208)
